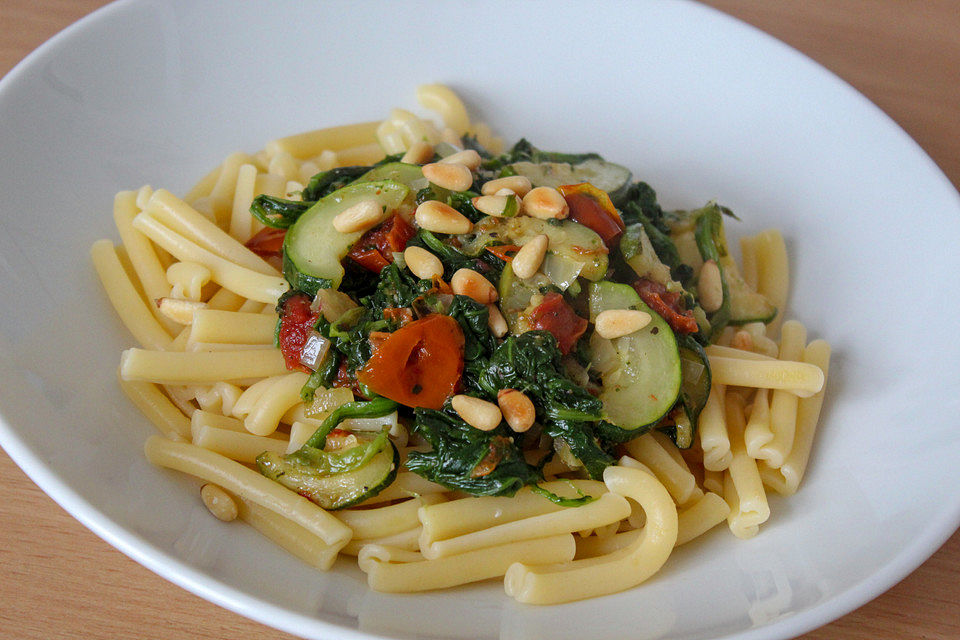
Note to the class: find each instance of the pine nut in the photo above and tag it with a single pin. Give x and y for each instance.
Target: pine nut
(505, 192)
(616, 323)
(517, 409)
(468, 158)
(496, 321)
(742, 340)
(545, 203)
(455, 177)
(498, 205)
(418, 153)
(710, 287)
(530, 256)
(179, 310)
(478, 413)
(359, 217)
(467, 282)
(220, 503)
(520, 185)
(422, 263)
(438, 217)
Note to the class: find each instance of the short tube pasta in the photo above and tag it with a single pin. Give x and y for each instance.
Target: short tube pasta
(126, 301)
(471, 566)
(800, 378)
(247, 484)
(242, 280)
(604, 510)
(610, 573)
(187, 367)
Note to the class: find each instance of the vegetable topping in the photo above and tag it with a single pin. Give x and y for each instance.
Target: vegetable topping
(418, 365)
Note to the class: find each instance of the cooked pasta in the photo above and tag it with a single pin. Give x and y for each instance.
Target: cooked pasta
(394, 340)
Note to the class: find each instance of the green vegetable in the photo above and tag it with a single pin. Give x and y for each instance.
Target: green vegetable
(482, 463)
(570, 241)
(641, 372)
(694, 388)
(313, 249)
(408, 174)
(278, 212)
(326, 182)
(335, 480)
(531, 363)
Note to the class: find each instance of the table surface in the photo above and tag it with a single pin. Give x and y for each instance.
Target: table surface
(59, 578)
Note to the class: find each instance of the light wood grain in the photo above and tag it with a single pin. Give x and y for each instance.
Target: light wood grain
(61, 581)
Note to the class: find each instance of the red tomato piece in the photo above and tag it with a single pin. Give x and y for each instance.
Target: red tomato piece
(268, 243)
(667, 305)
(297, 320)
(400, 315)
(374, 250)
(592, 208)
(419, 365)
(557, 317)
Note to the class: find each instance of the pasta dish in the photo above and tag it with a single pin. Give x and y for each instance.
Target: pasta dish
(404, 342)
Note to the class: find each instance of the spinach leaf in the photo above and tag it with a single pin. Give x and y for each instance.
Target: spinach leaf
(531, 363)
(327, 182)
(485, 263)
(482, 463)
(525, 151)
(278, 213)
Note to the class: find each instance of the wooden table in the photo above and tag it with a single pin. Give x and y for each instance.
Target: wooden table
(59, 579)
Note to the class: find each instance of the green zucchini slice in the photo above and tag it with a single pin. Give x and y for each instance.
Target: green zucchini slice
(640, 372)
(313, 249)
(311, 474)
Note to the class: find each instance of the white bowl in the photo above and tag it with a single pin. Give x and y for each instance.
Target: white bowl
(697, 104)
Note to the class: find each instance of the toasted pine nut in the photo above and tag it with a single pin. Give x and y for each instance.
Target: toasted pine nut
(359, 217)
(468, 158)
(505, 192)
(545, 203)
(530, 256)
(422, 263)
(496, 321)
(418, 153)
(520, 185)
(467, 282)
(436, 216)
(742, 340)
(517, 409)
(478, 413)
(179, 310)
(498, 205)
(220, 503)
(710, 287)
(615, 323)
(455, 177)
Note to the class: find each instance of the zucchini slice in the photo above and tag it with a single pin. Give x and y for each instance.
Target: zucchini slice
(608, 176)
(641, 372)
(313, 249)
(408, 174)
(741, 304)
(571, 244)
(336, 490)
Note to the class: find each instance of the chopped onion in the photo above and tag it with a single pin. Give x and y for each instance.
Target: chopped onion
(326, 400)
(332, 304)
(314, 350)
(561, 270)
